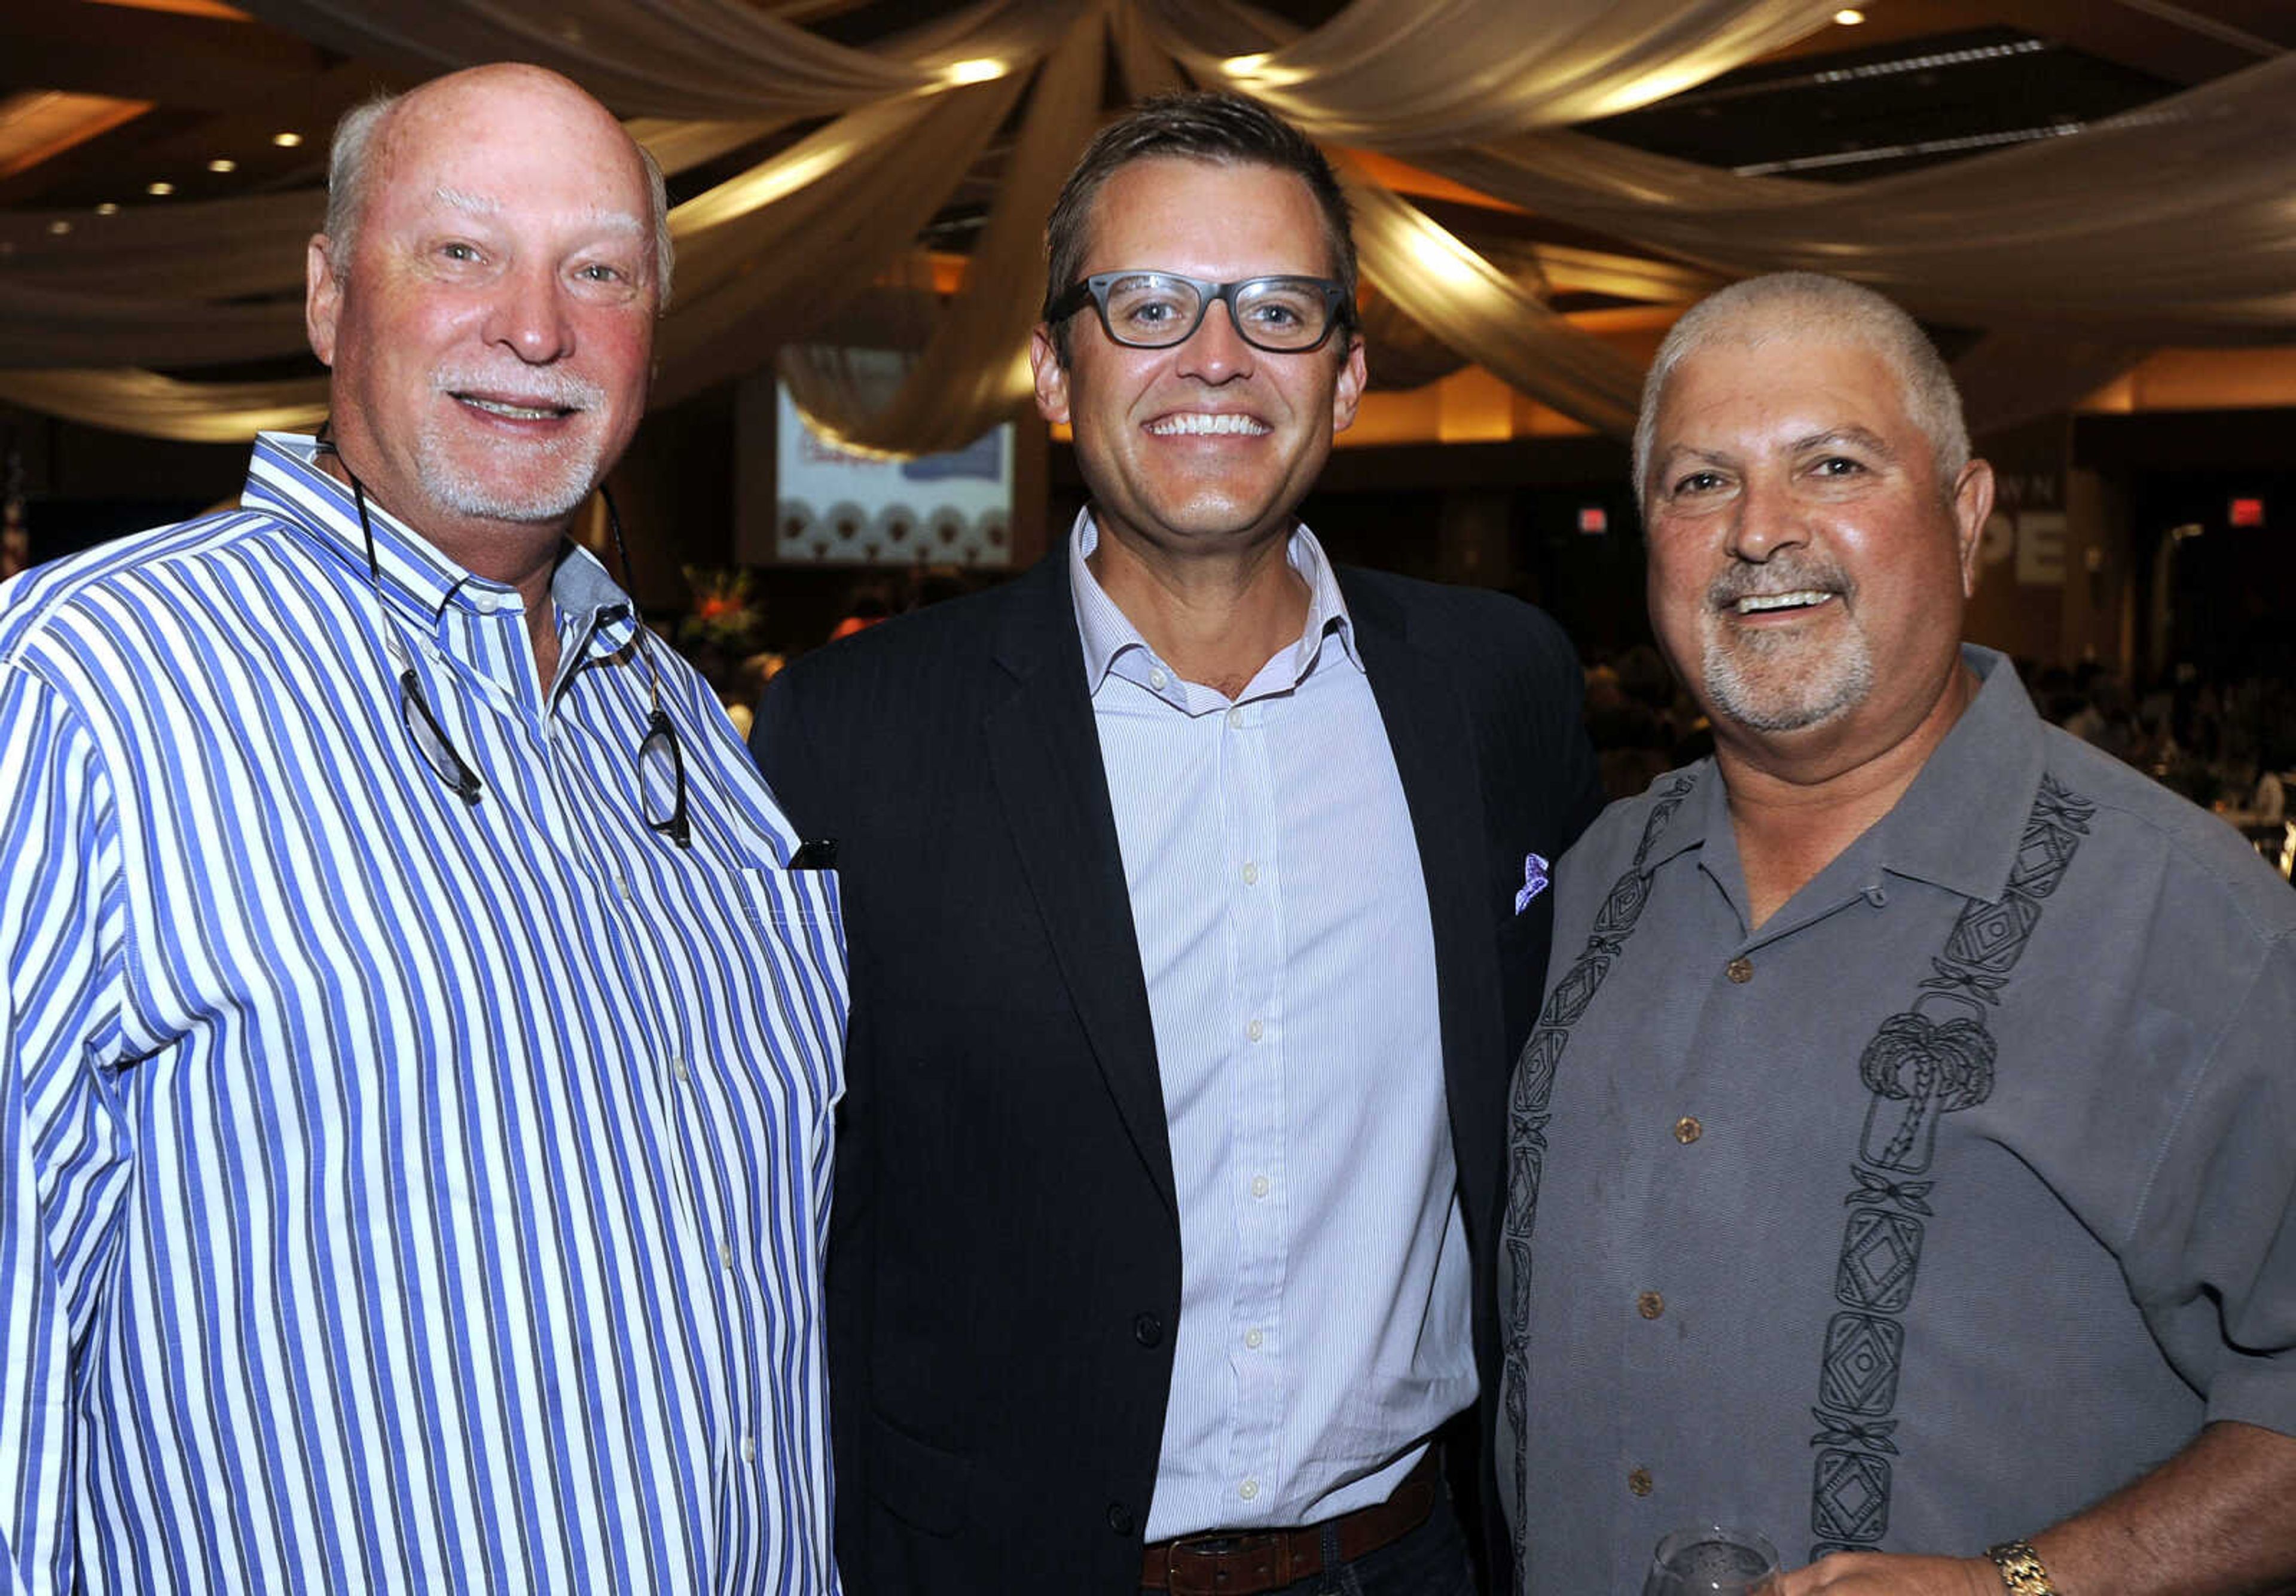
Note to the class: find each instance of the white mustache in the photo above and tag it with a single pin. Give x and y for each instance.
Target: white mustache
(532, 384)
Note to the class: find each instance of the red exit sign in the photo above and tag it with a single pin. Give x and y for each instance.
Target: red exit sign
(2247, 512)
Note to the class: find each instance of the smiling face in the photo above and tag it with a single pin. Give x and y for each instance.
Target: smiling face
(1807, 568)
(491, 333)
(1209, 446)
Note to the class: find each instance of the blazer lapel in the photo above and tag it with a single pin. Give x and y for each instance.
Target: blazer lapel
(1044, 755)
(1434, 745)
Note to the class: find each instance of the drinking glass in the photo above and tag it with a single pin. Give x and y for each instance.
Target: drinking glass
(1712, 1559)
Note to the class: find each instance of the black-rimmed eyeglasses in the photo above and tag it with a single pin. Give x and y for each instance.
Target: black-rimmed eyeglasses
(662, 758)
(1155, 310)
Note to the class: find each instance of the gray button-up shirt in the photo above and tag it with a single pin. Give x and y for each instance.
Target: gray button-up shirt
(1953, 1197)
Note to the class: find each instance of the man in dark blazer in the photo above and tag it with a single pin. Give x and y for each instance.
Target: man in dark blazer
(1195, 891)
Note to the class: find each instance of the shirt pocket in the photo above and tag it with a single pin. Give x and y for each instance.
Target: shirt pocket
(796, 921)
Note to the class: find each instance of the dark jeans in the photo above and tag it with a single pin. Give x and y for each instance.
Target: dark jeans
(1431, 1560)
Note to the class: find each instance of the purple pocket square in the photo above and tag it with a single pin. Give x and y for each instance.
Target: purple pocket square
(1534, 881)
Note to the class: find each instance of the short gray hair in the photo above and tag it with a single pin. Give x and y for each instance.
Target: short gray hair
(350, 167)
(1810, 305)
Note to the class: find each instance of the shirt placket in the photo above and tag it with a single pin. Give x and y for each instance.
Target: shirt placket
(692, 1120)
(1258, 1180)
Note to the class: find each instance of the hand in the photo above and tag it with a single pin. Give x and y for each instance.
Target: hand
(1879, 1574)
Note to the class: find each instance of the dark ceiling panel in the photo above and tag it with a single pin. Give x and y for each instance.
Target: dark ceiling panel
(1886, 107)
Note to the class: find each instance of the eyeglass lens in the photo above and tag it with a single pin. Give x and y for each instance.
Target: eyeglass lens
(430, 742)
(661, 780)
(1156, 309)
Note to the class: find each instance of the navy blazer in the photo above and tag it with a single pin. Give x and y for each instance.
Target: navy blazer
(1005, 1245)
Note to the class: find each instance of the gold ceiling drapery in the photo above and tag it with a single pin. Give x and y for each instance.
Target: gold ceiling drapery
(2073, 256)
(2175, 222)
(670, 58)
(152, 406)
(1483, 314)
(1409, 75)
(972, 373)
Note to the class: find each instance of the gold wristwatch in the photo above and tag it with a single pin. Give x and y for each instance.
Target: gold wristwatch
(2021, 1568)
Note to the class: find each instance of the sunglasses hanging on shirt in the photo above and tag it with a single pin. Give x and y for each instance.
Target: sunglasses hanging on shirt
(662, 758)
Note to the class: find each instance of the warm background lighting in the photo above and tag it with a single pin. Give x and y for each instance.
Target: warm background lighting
(1850, 16)
(159, 191)
(286, 141)
(223, 164)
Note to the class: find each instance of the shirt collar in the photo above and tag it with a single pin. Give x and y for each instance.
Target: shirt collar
(1961, 821)
(285, 478)
(1107, 633)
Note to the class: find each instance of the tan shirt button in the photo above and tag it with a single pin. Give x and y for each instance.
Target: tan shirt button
(1639, 1482)
(1687, 1130)
(1650, 1304)
(1739, 970)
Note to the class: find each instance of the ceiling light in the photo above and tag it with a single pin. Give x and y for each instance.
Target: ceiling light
(974, 71)
(1263, 71)
(1850, 16)
(59, 226)
(286, 141)
(223, 163)
(107, 208)
(159, 191)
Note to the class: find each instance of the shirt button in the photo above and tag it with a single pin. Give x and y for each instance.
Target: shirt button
(1159, 681)
(622, 888)
(1740, 971)
(1254, 1031)
(1249, 1490)
(726, 1253)
(1234, 719)
(1147, 1329)
(1639, 1482)
(749, 1449)
(1650, 1304)
(1251, 875)
(1687, 1130)
(677, 1067)
(1259, 1186)
(1252, 1338)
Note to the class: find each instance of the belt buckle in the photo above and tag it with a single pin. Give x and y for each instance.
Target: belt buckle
(1197, 1581)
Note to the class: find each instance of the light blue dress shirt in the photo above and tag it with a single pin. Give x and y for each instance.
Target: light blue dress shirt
(1289, 961)
(394, 1195)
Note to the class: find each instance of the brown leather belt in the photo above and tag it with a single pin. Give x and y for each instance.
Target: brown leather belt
(1246, 1562)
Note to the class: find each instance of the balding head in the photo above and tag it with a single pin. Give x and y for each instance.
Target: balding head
(363, 140)
(1807, 306)
(489, 318)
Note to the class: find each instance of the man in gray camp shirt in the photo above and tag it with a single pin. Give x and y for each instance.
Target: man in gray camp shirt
(1903, 1162)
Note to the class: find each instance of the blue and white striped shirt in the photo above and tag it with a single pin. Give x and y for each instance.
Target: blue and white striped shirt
(394, 1195)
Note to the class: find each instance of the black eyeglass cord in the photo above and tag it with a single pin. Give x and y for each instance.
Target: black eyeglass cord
(457, 774)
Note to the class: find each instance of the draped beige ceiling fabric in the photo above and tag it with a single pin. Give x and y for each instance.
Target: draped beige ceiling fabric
(2072, 256)
(153, 406)
(1484, 316)
(2176, 223)
(670, 58)
(972, 373)
(1408, 75)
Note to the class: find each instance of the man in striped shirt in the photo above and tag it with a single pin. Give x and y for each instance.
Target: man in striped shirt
(416, 1048)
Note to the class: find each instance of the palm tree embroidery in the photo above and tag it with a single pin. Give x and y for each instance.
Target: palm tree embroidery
(1934, 1070)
